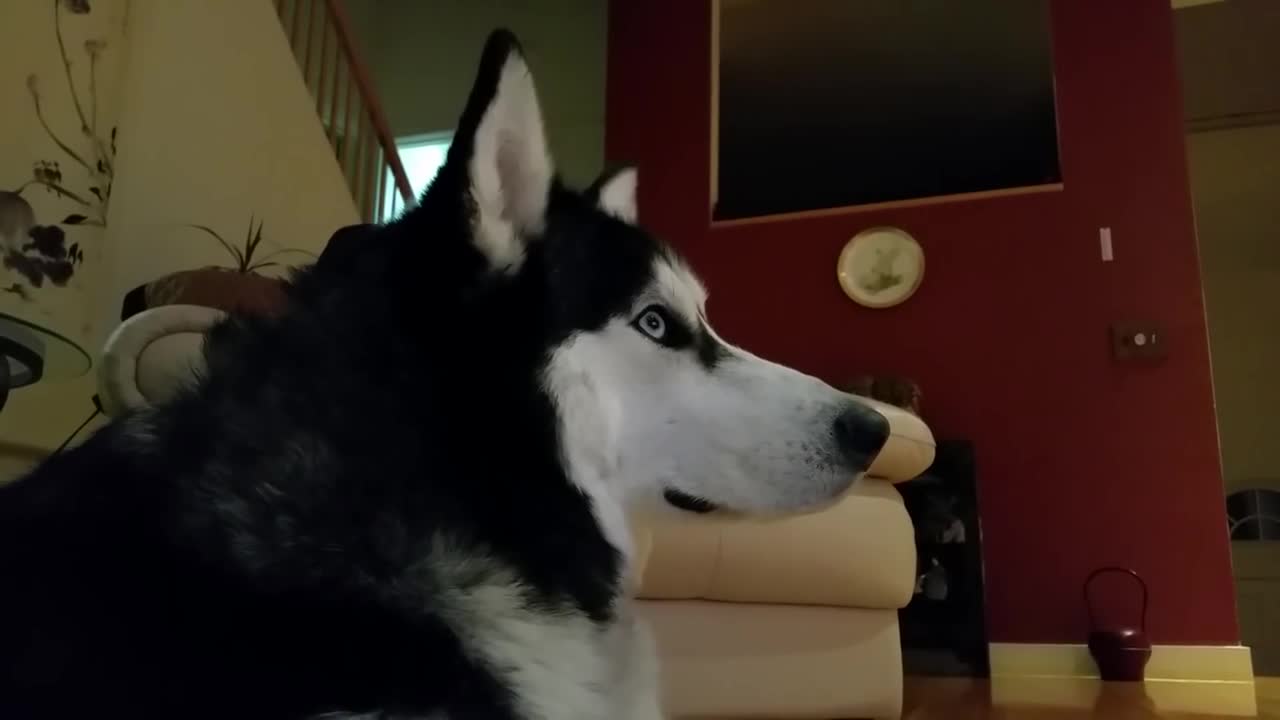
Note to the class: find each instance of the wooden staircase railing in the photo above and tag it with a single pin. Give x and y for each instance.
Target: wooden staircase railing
(322, 40)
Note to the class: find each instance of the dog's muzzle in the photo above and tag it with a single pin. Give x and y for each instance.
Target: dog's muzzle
(861, 433)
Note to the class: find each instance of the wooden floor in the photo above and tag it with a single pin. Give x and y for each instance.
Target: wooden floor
(957, 699)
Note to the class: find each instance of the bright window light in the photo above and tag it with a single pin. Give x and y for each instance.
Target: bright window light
(422, 156)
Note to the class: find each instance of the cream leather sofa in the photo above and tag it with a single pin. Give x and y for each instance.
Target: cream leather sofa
(792, 618)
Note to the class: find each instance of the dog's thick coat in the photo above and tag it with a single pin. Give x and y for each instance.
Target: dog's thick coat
(405, 496)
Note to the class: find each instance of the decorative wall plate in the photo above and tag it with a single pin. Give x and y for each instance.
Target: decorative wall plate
(881, 267)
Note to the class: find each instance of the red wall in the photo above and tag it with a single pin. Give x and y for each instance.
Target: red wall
(1082, 461)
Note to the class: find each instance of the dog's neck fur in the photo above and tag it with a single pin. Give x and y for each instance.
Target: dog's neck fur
(500, 325)
(591, 461)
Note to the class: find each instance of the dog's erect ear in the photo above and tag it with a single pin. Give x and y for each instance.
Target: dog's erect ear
(501, 150)
(615, 193)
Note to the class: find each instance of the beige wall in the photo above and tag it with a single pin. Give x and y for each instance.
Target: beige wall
(1235, 181)
(424, 55)
(215, 125)
(37, 418)
(1256, 566)
(1228, 55)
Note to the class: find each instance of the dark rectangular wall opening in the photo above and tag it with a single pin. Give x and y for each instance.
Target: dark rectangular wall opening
(833, 103)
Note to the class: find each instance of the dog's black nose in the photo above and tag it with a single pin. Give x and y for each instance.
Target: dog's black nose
(860, 433)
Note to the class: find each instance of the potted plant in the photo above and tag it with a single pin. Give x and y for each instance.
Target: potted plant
(240, 287)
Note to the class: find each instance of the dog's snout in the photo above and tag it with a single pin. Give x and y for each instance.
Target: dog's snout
(860, 433)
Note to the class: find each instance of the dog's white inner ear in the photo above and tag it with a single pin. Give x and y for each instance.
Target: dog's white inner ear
(617, 195)
(510, 168)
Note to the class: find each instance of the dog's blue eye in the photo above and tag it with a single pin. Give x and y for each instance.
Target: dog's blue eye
(653, 322)
(659, 325)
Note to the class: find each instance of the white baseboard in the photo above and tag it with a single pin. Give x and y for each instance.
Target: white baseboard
(1214, 680)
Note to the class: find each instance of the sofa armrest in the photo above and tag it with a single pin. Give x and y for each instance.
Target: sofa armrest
(910, 448)
(858, 553)
(153, 353)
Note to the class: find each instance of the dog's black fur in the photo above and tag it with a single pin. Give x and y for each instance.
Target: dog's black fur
(253, 547)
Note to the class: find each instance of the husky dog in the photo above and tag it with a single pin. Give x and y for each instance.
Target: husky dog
(407, 495)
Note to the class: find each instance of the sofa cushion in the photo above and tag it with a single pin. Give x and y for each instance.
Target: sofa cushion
(857, 553)
(724, 660)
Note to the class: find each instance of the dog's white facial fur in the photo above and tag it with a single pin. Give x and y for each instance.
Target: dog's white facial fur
(639, 418)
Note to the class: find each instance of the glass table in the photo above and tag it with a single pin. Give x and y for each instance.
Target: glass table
(30, 353)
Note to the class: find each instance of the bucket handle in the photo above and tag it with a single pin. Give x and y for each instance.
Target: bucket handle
(1088, 601)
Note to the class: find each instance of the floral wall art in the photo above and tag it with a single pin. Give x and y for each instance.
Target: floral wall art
(57, 154)
(60, 78)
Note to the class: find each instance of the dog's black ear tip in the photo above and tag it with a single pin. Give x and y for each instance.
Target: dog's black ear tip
(502, 43)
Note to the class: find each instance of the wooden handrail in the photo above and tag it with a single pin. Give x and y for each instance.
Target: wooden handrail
(381, 128)
(347, 103)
